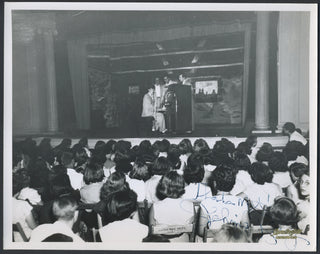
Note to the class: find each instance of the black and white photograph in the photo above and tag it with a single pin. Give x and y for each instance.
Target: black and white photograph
(160, 126)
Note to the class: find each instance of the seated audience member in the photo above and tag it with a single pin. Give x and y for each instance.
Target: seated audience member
(140, 170)
(22, 209)
(58, 238)
(200, 144)
(299, 192)
(252, 142)
(45, 151)
(173, 157)
(284, 216)
(65, 210)
(81, 159)
(171, 209)
(21, 183)
(163, 147)
(262, 191)
(155, 148)
(122, 161)
(208, 164)
(279, 165)
(265, 152)
(83, 143)
(110, 151)
(222, 152)
(93, 179)
(115, 182)
(213, 209)
(229, 233)
(76, 179)
(120, 207)
(160, 167)
(156, 238)
(193, 175)
(145, 150)
(290, 130)
(243, 148)
(243, 179)
(186, 150)
(294, 151)
(62, 147)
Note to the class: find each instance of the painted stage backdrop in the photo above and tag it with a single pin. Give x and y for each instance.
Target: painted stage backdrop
(218, 101)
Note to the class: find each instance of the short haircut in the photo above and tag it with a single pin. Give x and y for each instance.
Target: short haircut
(66, 158)
(289, 127)
(299, 169)
(194, 172)
(244, 148)
(160, 166)
(260, 173)
(293, 149)
(58, 238)
(278, 162)
(171, 185)
(232, 234)
(93, 174)
(284, 212)
(185, 146)
(140, 170)
(115, 182)
(265, 152)
(121, 205)
(64, 208)
(222, 178)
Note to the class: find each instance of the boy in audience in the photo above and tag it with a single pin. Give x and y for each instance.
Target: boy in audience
(65, 210)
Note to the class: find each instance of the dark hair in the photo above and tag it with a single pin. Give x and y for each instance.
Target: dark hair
(20, 180)
(155, 238)
(174, 156)
(123, 166)
(200, 144)
(66, 158)
(260, 173)
(284, 212)
(293, 149)
(59, 185)
(221, 151)
(222, 178)
(140, 170)
(121, 205)
(171, 185)
(160, 166)
(165, 145)
(251, 140)
(298, 169)
(58, 238)
(83, 142)
(289, 127)
(115, 182)
(194, 171)
(110, 146)
(185, 146)
(241, 161)
(93, 174)
(122, 146)
(155, 148)
(231, 233)
(278, 162)
(244, 148)
(99, 146)
(64, 208)
(265, 152)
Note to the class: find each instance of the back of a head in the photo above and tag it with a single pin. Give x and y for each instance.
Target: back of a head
(251, 140)
(278, 162)
(140, 170)
(174, 156)
(200, 144)
(290, 127)
(93, 174)
(222, 178)
(293, 149)
(160, 166)
(265, 152)
(241, 161)
(298, 169)
(244, 148)
(284, 212)
(58, 238)
(194, 172)
(260, 173)
(66, 159)
(171, 185)
(121, 205)
(64, 208)
(231, 234)
(185, 146)
(115, 182)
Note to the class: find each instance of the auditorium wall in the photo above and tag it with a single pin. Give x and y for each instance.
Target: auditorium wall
(293, 69)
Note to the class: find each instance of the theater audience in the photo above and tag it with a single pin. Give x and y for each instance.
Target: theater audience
(121, 207)
(114, 177)
(290, 130)
(65, 210)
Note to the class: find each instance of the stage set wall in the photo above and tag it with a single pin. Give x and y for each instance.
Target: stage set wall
(32, 112)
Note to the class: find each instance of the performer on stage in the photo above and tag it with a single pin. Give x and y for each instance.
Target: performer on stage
(149, 109)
